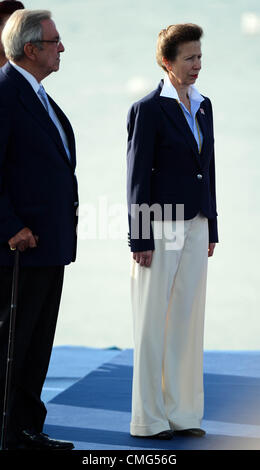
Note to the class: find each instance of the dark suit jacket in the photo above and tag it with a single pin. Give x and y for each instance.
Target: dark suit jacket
(38, 188)
(164, 165)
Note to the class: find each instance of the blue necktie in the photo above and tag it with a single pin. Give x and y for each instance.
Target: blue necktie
(44, 99)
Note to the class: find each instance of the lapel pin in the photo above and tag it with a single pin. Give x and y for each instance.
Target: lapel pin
(202, 111)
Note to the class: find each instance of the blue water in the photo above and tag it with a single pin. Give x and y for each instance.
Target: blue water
(109, 62)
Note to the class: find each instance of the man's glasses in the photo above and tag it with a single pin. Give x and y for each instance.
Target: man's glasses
(53, 41)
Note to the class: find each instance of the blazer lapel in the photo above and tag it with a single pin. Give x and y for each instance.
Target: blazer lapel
(203, 123)
(175, 113)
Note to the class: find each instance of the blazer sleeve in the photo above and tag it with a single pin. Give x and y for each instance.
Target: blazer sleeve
(213, 223)
(141, 127)
(10, 224)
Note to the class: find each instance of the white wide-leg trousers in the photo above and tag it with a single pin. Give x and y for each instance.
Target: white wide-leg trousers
(168, 301)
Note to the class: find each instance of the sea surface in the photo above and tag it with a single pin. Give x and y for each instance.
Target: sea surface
(108, 63)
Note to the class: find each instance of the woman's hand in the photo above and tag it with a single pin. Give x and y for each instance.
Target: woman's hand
(211, 249)
(143, 257)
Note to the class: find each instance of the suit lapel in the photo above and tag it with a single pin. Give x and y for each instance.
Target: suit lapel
(33, 105)
(67, 129)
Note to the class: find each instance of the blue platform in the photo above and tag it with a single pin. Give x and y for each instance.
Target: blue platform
(88, 395)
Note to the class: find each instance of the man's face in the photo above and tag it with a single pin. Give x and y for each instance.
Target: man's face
(3, 20)
(48, 58)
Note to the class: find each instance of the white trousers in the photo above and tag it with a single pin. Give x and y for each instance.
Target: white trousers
(168, 301)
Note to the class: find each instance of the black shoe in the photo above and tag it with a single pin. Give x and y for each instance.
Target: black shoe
(165, 435)
(195, 432)
(41, 441)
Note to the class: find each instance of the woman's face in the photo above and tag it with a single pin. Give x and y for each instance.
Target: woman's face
(186, 67)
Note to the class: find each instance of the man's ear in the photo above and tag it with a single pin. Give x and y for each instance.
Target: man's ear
(30, 51)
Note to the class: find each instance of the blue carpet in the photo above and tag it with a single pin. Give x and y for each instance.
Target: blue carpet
(94, 409)
(69, 363)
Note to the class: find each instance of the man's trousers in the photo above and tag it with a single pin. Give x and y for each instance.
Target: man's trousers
(168, 301)
(39, 296)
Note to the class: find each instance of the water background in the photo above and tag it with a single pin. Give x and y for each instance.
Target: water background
(109, 62)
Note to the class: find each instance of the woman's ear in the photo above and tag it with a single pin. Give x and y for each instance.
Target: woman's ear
(167, 64)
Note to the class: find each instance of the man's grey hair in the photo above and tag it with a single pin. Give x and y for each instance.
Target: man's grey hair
(22, 27)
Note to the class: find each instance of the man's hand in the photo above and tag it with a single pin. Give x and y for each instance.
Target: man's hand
(23, 240)
(211, 249)
(143, 257)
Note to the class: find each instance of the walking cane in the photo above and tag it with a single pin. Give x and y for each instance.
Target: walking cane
(10, 352)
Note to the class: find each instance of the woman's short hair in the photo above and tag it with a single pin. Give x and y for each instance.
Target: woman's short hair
(22, 27)
(170, 38)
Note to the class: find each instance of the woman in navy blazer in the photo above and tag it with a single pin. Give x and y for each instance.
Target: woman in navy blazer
(170, 164)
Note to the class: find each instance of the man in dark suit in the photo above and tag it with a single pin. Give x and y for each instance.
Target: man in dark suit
(38, 216)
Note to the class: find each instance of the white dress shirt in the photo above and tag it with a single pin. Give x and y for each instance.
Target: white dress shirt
(36, 86)
(169, 91)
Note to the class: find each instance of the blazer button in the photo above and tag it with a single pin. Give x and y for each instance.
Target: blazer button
(199, 176)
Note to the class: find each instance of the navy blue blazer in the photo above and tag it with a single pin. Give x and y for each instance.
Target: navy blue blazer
(38, 187)
(164, 165)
